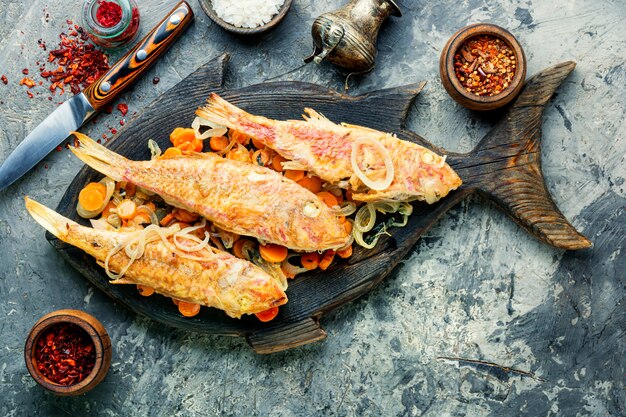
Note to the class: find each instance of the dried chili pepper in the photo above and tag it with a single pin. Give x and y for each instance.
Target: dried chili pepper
(25, 71)
(30, 83)
(65, 354)
(4, 79)
(123, 108)
(109, 13)
(485, 65)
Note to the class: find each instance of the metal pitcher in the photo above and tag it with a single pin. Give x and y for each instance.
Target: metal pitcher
(347, 36)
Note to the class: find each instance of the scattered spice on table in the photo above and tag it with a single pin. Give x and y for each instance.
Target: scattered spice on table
(247, 13)
(109, 13)
(77, 62)
(28, 82)
(25, 71)
(123, 108)
(65, 354)
(156, 80)
(485, 65)
(4, 79)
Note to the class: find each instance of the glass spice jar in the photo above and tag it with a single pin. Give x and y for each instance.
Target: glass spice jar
(111, 23)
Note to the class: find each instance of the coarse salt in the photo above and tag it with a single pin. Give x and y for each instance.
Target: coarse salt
(247, 13)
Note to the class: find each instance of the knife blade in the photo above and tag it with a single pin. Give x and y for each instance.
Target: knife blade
(73, 113)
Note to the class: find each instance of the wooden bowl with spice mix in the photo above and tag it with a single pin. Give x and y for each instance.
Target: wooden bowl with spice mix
(483, 67)
(246, 17)
(68, 352)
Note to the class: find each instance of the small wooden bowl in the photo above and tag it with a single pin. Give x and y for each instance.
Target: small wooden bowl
(452, 84)
(207, 6)
(94, 329)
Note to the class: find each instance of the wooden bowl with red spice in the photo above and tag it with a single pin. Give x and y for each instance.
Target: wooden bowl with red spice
(68, 352)
(483, 67)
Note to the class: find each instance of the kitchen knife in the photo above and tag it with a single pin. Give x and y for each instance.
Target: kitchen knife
(72, 114)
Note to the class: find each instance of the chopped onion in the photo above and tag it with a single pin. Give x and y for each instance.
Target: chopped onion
(215, 129)
(374, 185)
(290, 268)
(227, 148)
(386, 206)
(345, 209)
(155, 151)
(151, 214)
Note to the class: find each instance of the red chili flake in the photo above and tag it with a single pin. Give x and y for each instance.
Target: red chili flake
(4, 79)
(59, 148)
(30, 95)
(109, 13)
(99, 141)
(25, 71)
(78, 63)
(28, 82)
(50, 98)
(123, 108)
(156, 80)
(45, 166)
(122, 122)
(104, 136)
(64, 353)
(114, 131)
(108, 109)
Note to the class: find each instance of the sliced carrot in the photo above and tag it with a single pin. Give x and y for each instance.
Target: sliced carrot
(327, 259)
(175, 301)
(277, 161)
(144, 290)
(294, 175)
(239, 154)
(90, 198)
(261, 157)
(313, 184)
(181, 135)
(142, 218)
(273, 253)
(310, 260)
(218, 143)
(171, 152)
(238, 248)
(345, 253)
(328, 199)
(258, 144)
(126, 209)
(150, 205)
(188, 309)
(191, 146)
(348, 226)
(267, 315)
(167, 219)
(130, 189)
(239, 137)
(101, 188)
(184, 215)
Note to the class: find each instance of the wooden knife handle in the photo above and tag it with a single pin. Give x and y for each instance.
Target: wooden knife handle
(121, 75)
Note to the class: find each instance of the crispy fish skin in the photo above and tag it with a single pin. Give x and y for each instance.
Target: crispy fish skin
(325, 148)
(223, 281)
(236, 196)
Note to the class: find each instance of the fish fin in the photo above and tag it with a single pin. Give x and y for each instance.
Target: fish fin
(506, 165)
(220, 111)
(99, 158)
(49, 219)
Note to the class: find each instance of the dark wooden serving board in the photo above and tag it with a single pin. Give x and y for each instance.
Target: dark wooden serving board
(505, 167)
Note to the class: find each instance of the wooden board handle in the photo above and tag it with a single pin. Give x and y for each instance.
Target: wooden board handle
(109, 86)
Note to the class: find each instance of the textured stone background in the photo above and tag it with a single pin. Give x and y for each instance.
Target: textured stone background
(475, 288)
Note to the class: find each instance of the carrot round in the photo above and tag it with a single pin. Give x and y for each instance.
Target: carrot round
(239, 137)
(181, 135)
(267, 315)
(184, 215)
(327, 259)
(277, 161)
(313, 184)
(126, 209)
(258, 144)
(345, 253)
(194, 145)
(273, 253)
(91, 198)
(238, 248)
(310, 260)
(294, 175)
(328, 199)
(348, 226)
(188, 309)
(171, 152)
(144, 290)
(261, 157)
(218, 143)
(167, 219)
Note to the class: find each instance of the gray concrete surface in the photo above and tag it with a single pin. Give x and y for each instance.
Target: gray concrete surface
(476, 288)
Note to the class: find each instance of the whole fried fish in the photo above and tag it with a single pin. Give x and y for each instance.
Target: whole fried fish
(326, 149)
(236, 196)
(208, 277)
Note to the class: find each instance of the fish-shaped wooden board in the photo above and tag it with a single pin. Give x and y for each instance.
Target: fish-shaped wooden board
(504, 166)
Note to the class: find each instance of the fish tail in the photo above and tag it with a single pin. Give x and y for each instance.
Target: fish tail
(48, 218)
(99, 158)
(506, 165)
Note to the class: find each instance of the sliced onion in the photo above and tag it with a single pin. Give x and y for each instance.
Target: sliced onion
(345, 209)
(386, 206)
(227, 148)
(151, 214)
(293, 165)
(358, 238)
(215, 129)
(374, 185)
(101, 224)
(365, 218)
(290, 268)
(155, 151)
